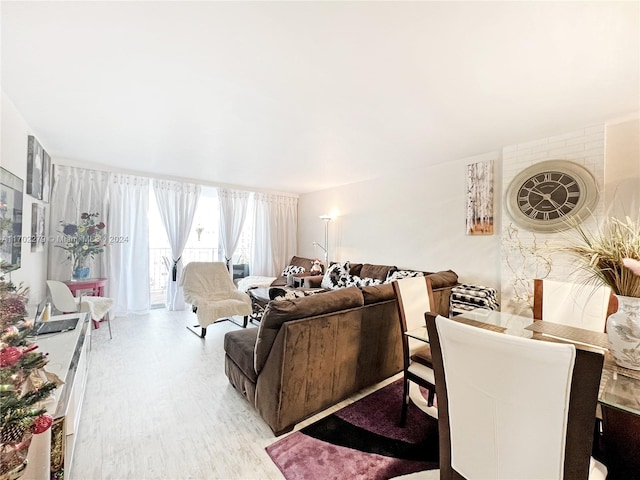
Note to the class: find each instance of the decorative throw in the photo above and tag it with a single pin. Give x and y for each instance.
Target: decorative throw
(355, 281)
(276, 293)
(467, 297)
(292, 270)
(97, 306)
(337, 276)
(400, 274)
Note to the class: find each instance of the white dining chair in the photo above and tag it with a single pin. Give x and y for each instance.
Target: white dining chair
(493, 422)
(414, 298)
(573, 304)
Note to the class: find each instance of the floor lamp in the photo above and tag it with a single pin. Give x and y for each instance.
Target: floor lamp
(325, 248)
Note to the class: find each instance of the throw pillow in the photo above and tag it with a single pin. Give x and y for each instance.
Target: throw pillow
(400, 274)
(337, 276)
(292, 270)
(355, 281)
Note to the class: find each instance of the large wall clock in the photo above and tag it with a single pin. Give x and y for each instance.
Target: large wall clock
(545, 195)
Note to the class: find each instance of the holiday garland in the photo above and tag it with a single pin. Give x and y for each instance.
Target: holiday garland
(20, 397)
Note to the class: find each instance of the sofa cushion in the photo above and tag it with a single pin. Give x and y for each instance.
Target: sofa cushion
(303, 262)
(375, 271)
(378, 293)
(239, 346)
(279, 282)
(446, 278)
(355, 268)
(337, 276)
(283, 311)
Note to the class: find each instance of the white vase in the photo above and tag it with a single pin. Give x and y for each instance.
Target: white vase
(623, 330)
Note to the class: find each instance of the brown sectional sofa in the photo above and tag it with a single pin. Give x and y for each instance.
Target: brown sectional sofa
(312, 352)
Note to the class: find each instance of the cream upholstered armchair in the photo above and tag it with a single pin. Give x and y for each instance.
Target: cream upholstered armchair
(208, 287)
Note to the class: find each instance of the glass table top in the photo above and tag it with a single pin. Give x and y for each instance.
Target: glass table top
(619, 387)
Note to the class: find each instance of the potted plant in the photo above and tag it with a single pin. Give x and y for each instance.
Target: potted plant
(609, 256)
(82, 241)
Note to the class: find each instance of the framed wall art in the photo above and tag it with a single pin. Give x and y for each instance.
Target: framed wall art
(46, 176)
(38, 170)
(480, 198)
(37, 227)
(11, 188)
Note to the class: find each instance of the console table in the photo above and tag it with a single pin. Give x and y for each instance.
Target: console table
(93, 285)
(51, 452)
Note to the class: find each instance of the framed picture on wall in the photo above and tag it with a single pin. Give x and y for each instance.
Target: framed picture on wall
(37, 227)
(11, 188)
(38, 170)
(479, 219)
(46, 176)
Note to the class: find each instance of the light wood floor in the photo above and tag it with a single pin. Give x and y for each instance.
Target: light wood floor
(158, 406)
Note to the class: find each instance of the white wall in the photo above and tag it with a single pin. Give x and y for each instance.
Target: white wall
(528, 255)
(413, 219)
(416, 218)
(622, 167)
(13, 157)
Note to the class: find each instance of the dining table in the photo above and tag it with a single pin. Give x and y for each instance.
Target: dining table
(619, 386)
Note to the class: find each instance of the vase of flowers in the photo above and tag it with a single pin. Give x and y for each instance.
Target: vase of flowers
(83, 241)
(604, 255)
(81, 272)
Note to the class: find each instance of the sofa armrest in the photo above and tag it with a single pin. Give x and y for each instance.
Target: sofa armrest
(311, 365)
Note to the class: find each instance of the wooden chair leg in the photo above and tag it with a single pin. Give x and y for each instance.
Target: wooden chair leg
(432, 394)
(405, 402)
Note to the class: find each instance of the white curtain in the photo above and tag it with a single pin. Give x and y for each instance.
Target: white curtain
(74, 191)
(122, 202)
(128, 249)
(233, 211)
(177, 204)
(276, 224)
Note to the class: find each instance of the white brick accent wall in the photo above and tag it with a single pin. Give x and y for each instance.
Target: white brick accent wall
(527, 255)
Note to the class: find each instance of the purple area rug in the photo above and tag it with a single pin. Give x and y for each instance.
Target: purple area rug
(361, 441)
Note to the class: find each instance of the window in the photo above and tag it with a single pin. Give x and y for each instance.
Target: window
(203, 244)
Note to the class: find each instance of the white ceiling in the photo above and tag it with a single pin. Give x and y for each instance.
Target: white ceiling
(301, 96)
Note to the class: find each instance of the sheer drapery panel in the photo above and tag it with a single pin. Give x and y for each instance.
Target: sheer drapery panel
(74, 191)
(122, 204)
(276, 224)
(177, 202)
(233, 211)
(129, 244)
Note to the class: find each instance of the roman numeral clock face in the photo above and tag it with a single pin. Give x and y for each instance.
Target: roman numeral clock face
(545, 195)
